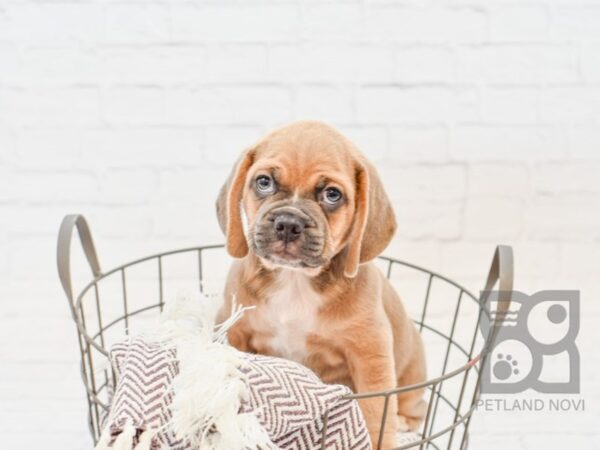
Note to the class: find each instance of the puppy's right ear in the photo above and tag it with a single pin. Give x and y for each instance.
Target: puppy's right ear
(229, 206)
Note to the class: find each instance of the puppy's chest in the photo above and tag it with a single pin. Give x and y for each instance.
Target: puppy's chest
(288, 316)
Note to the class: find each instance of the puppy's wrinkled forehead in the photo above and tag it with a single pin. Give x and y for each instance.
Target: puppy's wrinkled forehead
(300, 158)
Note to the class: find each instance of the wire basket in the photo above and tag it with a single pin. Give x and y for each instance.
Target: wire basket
(447, 314)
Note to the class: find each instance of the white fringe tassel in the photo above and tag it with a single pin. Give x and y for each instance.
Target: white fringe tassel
(209, 389)
(124, 440)
(145, 441)
(104, 440)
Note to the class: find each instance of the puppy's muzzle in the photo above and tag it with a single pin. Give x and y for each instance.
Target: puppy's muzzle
(288, 235)
(288, 227)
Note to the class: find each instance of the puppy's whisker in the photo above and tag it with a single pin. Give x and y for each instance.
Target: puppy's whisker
(311, 248)
(313, 231)
(314, 242)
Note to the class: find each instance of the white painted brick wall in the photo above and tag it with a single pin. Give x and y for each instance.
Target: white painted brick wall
(482, 115)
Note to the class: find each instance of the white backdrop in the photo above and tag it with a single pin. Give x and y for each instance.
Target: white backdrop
(482, 116)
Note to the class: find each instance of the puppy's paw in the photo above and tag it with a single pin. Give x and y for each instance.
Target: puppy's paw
(413, 421)
(389, 440)
(403, 424)
(408, 424)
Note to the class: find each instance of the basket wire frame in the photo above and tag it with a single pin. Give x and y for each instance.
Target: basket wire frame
(99, 381)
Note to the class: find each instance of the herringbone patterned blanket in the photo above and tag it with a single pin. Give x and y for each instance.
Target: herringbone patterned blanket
(195, 393)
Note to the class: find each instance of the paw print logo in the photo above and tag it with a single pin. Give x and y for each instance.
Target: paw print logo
(535, 329)
(505, 367)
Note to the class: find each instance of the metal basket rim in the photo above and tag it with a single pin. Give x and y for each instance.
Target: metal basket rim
(473, 360)
(501, 272)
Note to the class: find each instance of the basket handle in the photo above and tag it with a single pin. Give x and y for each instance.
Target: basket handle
(63, 253)
(501, 271)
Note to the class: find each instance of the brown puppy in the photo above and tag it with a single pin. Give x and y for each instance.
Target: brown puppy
(315, 213)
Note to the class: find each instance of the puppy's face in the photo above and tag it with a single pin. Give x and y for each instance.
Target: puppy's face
(305, 192)
(299, 204)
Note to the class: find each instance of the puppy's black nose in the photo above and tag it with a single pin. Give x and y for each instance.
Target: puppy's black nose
(288, 227)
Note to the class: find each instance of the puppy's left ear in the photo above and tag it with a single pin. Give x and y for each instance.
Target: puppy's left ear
(229, 206)
(374, 220)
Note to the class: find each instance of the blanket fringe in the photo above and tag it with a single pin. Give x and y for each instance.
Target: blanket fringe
(145, 440)
(221, 330)
(124, 440)
(104, 441)
(209, 388)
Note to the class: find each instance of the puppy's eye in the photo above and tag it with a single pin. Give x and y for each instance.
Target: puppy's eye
(265, 184)
(332, 196)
